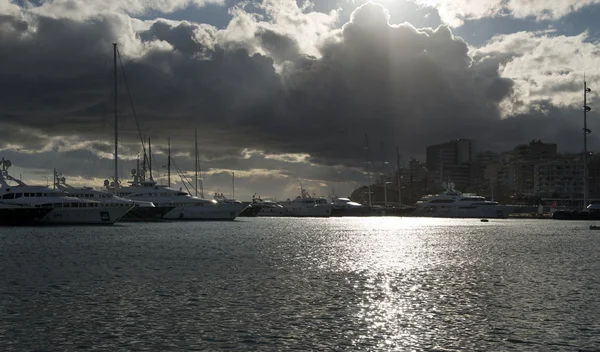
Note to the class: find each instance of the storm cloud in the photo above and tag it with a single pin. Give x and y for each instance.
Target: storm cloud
(285, 81)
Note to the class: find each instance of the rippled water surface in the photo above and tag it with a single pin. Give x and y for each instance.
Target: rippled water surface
(343, 284)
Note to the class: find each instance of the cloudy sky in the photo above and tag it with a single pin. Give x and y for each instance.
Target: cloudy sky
(282, 92)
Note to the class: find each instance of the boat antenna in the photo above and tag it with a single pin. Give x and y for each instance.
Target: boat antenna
(116, 177)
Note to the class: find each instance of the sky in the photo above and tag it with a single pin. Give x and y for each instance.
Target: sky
(283, 92)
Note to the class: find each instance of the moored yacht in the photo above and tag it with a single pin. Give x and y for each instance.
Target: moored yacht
(65, 209)
(185, 206)
(268, 208)
(307, 206)
(141, 211)
(454, 204)
(345, 207)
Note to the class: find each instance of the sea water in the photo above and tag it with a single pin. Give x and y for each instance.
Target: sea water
(278, 284)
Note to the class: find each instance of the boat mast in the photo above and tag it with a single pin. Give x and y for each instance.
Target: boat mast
(150, 158)
(116, 177)
(384, 177)
(168, 162)
(368, 169)
(233, 183)
(398, 167)
(196, 160)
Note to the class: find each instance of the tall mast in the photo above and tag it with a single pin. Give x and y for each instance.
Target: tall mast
(150, 158)
(384, 177)
(169, 162)
(233, 183)
(116, 120)
(136, 179)
(368, 169)
(398, 167)
(196, 160)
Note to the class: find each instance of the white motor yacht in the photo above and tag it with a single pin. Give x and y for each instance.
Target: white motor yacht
(65, 209)
(307, 206)
(269, 208)
(454, 204)
(185, 206)
(346, 207)
(141, 211)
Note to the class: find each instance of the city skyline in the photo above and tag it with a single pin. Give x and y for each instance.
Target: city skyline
(283, 92)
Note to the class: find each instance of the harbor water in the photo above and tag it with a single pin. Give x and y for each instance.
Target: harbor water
(278, 284)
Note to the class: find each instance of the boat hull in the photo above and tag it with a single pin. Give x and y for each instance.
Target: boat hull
(22, 216)
(273, 212)
(576, 215)
(494, 212)
(308, 212)
(146, 214)
(218, 212)
(84, 216)
(362, 211)
(250, 211)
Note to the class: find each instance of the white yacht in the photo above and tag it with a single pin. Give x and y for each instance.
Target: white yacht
(65, 209)
(307, 206)
(185, 206)
(346, 207)
(454, 204)
(141, 211)
(269, 208)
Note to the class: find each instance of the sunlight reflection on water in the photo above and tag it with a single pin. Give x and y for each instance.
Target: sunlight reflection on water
(312, 284)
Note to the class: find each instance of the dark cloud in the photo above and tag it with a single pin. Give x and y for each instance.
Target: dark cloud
(398, 84)
(280, 46)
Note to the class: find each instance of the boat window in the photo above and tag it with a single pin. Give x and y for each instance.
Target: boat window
(182, 194)
(9, 196)
(442, 201)
(66, 205)
(38, 194)
(18, 195)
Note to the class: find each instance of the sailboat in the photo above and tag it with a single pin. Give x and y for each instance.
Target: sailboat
(172, 204)
(184, 206)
